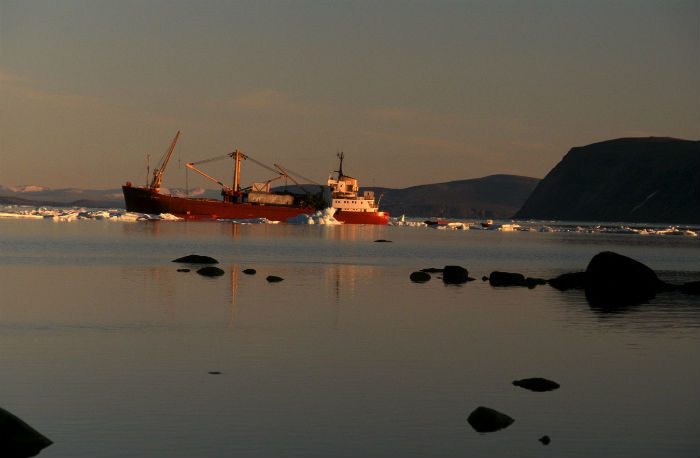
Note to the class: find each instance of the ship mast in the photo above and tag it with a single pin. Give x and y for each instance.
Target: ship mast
(237, 170)
(341, 155)
(158, 172)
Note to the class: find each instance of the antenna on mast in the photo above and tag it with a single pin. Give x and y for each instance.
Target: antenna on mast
(341, 155)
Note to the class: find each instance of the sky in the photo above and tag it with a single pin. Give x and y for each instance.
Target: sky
(413, 92)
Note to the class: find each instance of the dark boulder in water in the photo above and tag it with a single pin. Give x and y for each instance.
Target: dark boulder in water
(514, 279)
(507, 279)
(573, 280)
(420, 277)
(382, 241)
(183, 270)
(196, 259)
(536, 384)
(210, 271)
(613, 280)
(486, 420)
(455, 275)
(249, 271)
(692, 287)
(274, 278)
(531, 282)
(545, 440)
(18, 439)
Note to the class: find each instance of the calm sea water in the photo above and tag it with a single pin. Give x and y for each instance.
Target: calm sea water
(107, 349)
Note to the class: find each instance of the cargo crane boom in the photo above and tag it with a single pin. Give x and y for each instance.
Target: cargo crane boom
(158, 172)
(190, 166)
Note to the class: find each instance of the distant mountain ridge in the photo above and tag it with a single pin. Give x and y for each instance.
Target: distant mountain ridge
(13, 200)
(650, 180)
(495, 196)
(66, 197)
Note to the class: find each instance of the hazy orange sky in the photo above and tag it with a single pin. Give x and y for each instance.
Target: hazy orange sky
(413, 92)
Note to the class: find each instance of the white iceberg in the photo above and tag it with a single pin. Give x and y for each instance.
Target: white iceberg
(324, 216)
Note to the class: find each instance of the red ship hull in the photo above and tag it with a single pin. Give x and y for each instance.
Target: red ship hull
(144, 200)
(350, 217)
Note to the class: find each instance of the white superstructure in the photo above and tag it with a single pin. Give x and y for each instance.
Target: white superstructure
(345, 194)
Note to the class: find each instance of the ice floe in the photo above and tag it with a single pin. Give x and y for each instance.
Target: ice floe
(326, 217)
(545, 226)
(73, 214)
(320, 217)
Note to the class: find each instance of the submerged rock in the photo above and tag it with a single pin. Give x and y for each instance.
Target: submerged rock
(692, 287)
(210, 271)
(420, 277)
(536, 384)
(455, 275)
(196, 259)
(18, 439)
(573, 280)
(498, 278)
(507, 279)
(274, 278)
(613, 279)
(183, 270)
(545, 440)
(382, 241)
(534, 281)
(249, 271)
(486, 420)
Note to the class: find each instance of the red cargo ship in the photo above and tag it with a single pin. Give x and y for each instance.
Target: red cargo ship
(253, 202)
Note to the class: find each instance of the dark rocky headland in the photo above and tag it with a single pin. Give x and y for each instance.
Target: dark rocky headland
(645, 180)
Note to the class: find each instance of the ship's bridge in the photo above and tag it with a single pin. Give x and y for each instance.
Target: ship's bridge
(344, 185)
